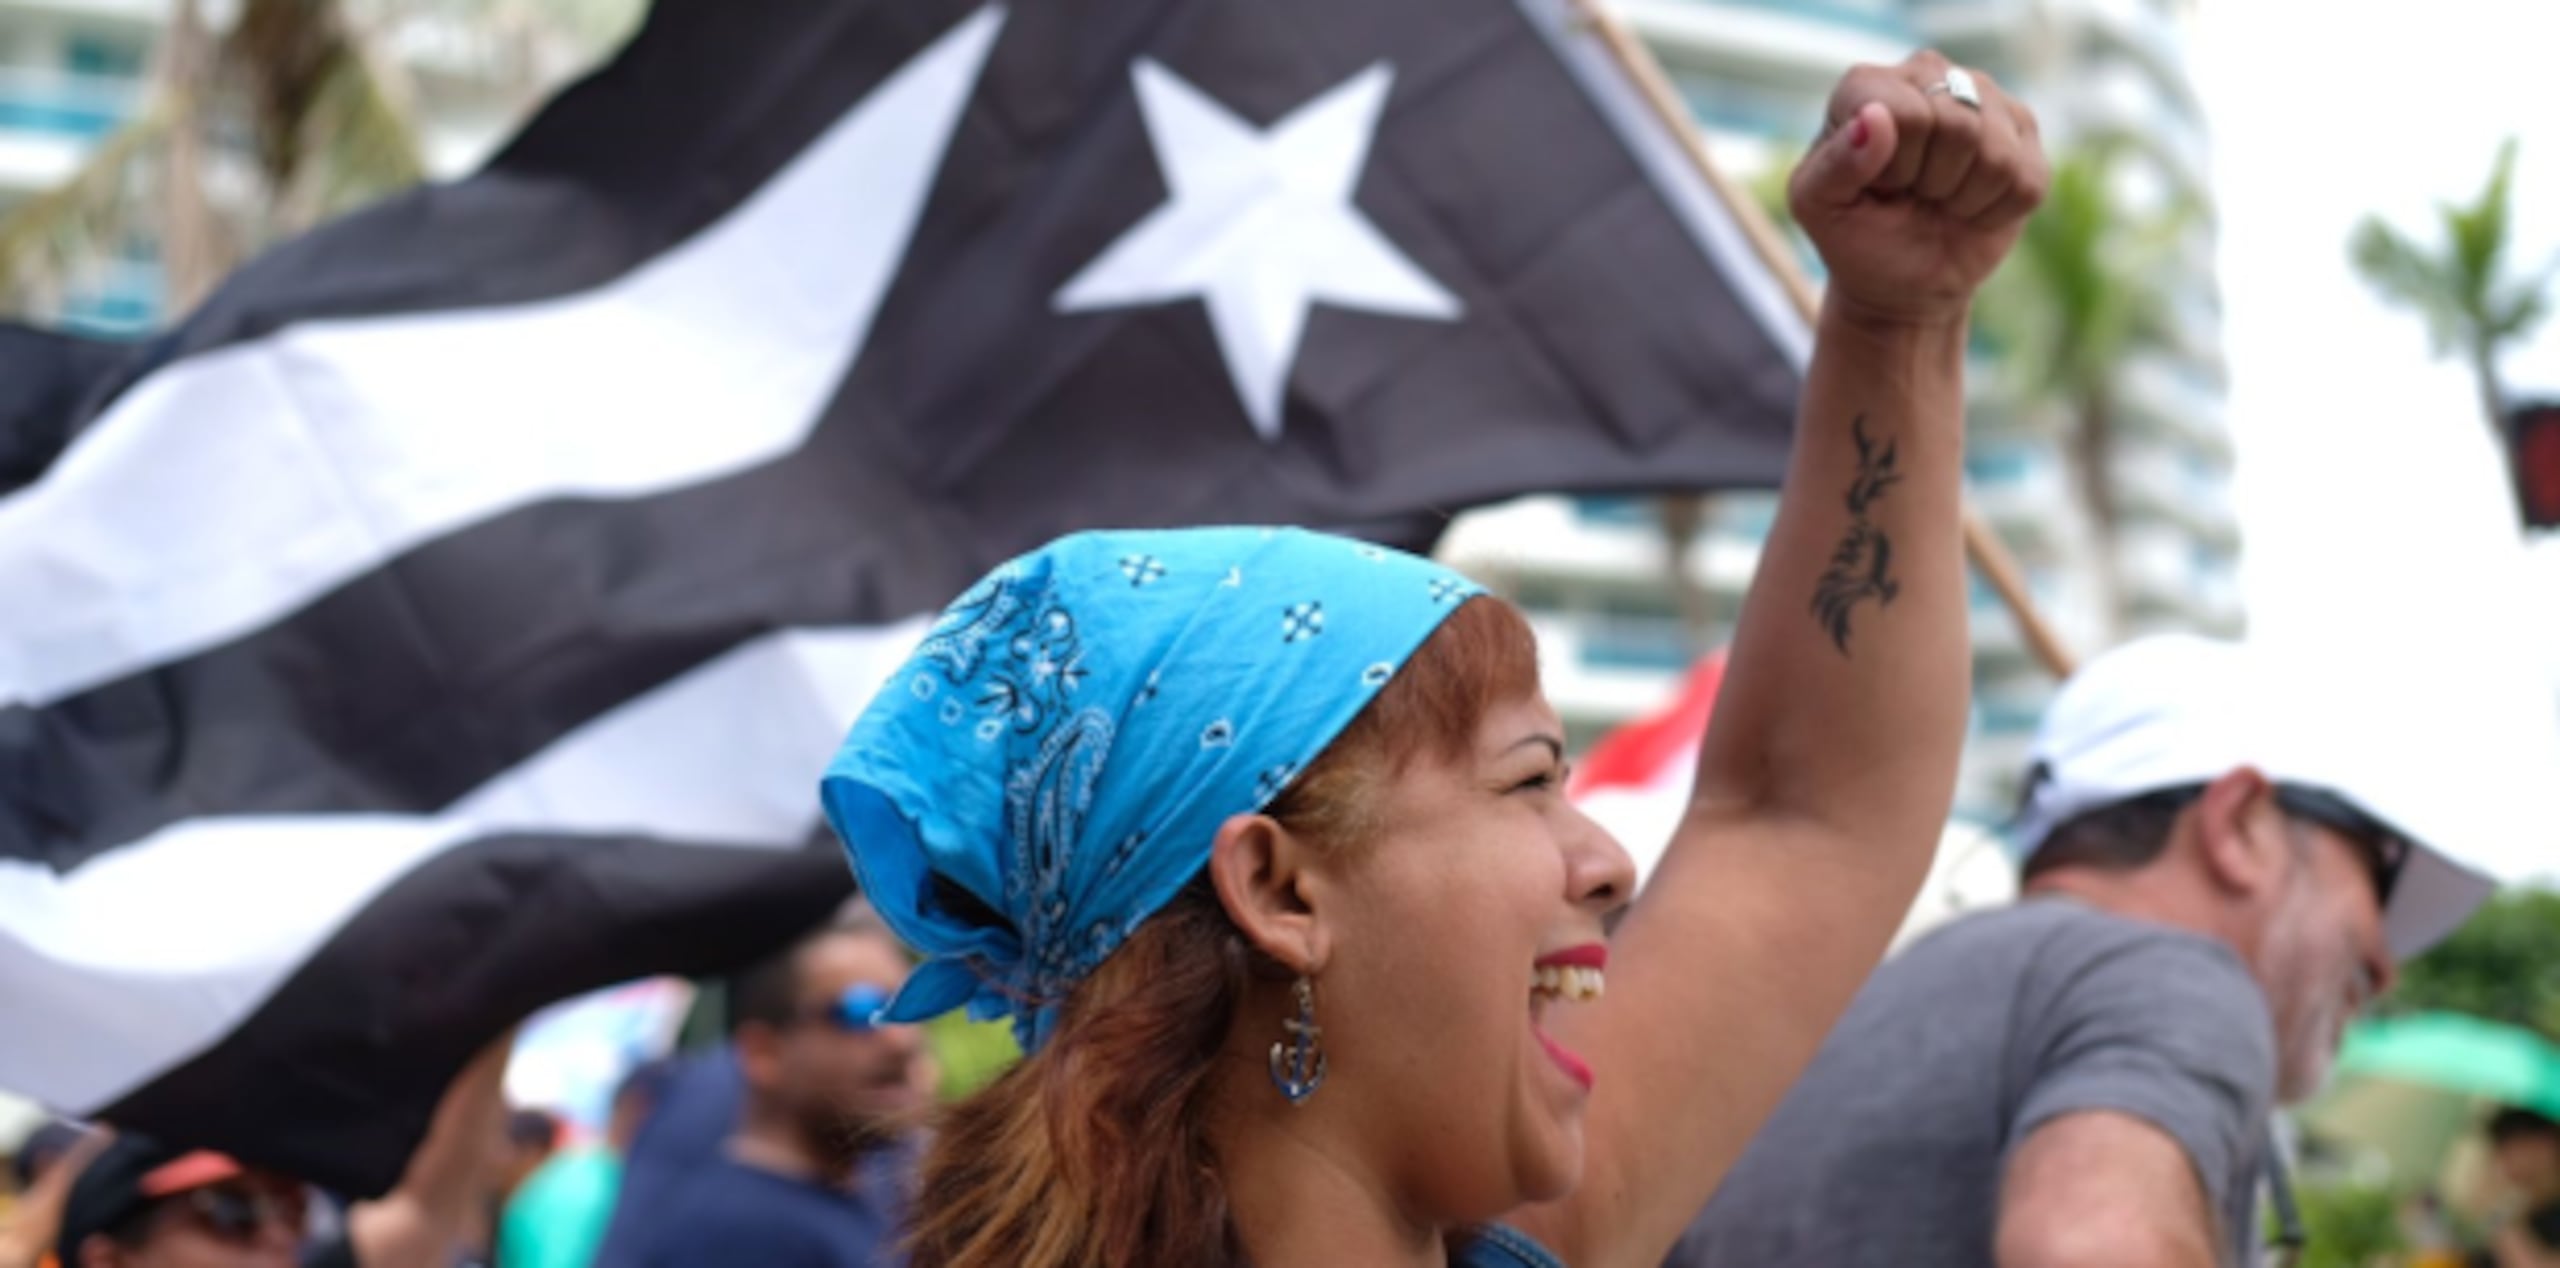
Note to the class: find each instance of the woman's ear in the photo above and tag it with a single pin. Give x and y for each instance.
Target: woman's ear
(1265, 878)
(2240, 833)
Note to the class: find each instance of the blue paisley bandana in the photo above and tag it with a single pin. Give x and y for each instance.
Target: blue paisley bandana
(1066, 741)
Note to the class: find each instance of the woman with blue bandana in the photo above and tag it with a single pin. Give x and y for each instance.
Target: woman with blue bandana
(1260, 839)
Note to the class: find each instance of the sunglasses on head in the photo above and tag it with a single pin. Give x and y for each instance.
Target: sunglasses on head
(240, 1214)
(857, 1011)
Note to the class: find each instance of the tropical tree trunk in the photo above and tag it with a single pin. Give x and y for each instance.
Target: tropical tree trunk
(2092, 457)
(190, 240)
(1679, 516)
(2493, 397)
(2494, 404)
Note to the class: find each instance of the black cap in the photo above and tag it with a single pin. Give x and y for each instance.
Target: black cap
(130, 1173)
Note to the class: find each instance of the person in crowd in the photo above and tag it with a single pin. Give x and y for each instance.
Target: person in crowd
(2224, 865)
(557, 1217)
(1260, 836)
(143, 1203)
(2525, 1146)
(687, 1131)
(817, 1166)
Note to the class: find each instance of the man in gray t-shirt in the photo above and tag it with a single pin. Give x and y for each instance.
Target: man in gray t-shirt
(1892, 1147)
(2222, 868)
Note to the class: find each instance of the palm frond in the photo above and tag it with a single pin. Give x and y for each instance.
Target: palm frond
(328, 136)
(50, 240)
(2082, 290)
(357, 144)
(2514, 313)
(2480, 231)
(274, 61)
(2403, 273)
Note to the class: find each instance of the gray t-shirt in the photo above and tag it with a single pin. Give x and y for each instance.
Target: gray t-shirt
(1892, 1148)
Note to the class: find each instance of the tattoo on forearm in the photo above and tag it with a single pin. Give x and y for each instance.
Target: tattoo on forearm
(1862, 565)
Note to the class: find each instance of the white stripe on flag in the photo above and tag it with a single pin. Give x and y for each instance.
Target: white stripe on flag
(151, 953)
(1664, 157)
(229, 489)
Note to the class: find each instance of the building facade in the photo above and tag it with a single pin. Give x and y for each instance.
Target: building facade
(1594, 573)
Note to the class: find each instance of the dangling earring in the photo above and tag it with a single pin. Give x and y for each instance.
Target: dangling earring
(1297, 1063)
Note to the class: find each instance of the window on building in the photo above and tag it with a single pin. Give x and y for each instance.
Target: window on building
(1638, 644)
(1737, 105)
(1746, 515)
(101, 57)
(1615, 512)
(2000, 463)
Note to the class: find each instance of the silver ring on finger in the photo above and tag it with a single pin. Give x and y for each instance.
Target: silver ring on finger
(1959, 84)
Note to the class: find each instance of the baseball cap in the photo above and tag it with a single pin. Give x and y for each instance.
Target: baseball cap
(131, 1172)
(2175, 710)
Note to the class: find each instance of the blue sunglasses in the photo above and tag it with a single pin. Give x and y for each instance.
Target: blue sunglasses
(857, 1011)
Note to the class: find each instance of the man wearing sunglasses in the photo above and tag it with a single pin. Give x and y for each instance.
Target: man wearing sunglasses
(817, 1167)
(135, 1202)
(2223, 862)
(141, 1204)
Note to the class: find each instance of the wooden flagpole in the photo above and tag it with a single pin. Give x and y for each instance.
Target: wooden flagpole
(1989, 554)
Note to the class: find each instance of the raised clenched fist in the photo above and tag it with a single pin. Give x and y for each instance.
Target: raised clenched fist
(1918, 188)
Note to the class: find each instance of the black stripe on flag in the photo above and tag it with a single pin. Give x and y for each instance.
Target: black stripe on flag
(777, 329)
(495, 927)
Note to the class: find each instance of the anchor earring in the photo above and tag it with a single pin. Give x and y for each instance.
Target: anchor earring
(1297, 1063)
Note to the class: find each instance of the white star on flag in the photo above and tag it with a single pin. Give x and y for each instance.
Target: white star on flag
(1259, 226)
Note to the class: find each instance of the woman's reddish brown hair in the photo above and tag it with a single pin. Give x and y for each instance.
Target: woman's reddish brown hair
(1094, 1151)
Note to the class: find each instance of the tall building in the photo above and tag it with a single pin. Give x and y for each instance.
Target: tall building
(2106, 72)
(1755, 74)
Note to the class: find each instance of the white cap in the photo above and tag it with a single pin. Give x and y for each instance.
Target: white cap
(2175, 710)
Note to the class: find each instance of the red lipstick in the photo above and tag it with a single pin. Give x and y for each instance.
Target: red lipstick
(1590, 955)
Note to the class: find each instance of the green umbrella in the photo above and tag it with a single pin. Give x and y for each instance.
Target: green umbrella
(2408, 1088)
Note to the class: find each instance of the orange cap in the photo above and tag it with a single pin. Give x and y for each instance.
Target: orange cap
(188, 1171)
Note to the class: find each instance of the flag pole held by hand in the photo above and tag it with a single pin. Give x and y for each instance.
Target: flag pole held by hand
(1990, 556)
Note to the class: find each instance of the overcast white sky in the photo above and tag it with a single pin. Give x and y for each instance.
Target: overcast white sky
(2377, 532)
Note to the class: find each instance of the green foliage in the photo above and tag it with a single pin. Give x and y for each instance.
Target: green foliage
(2082, 292)
(972, 1053)
(2504, 965)
(2081, 296)
(2349, 1227)
(2463, 290)
(1768, 188)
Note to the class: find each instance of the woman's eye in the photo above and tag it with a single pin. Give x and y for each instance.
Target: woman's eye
(1542, 780)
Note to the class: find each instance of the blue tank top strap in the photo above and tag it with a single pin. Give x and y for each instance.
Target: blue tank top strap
(1498, 1247)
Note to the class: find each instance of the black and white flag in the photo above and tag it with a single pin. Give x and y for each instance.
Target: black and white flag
(456, 611)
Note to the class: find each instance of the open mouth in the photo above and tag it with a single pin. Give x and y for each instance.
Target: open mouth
(1573, 976)
(1572, 984)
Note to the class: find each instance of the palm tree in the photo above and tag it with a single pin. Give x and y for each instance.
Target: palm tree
(1678, 517)
(328, 122)
(2079, 297)
(2471, 304)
